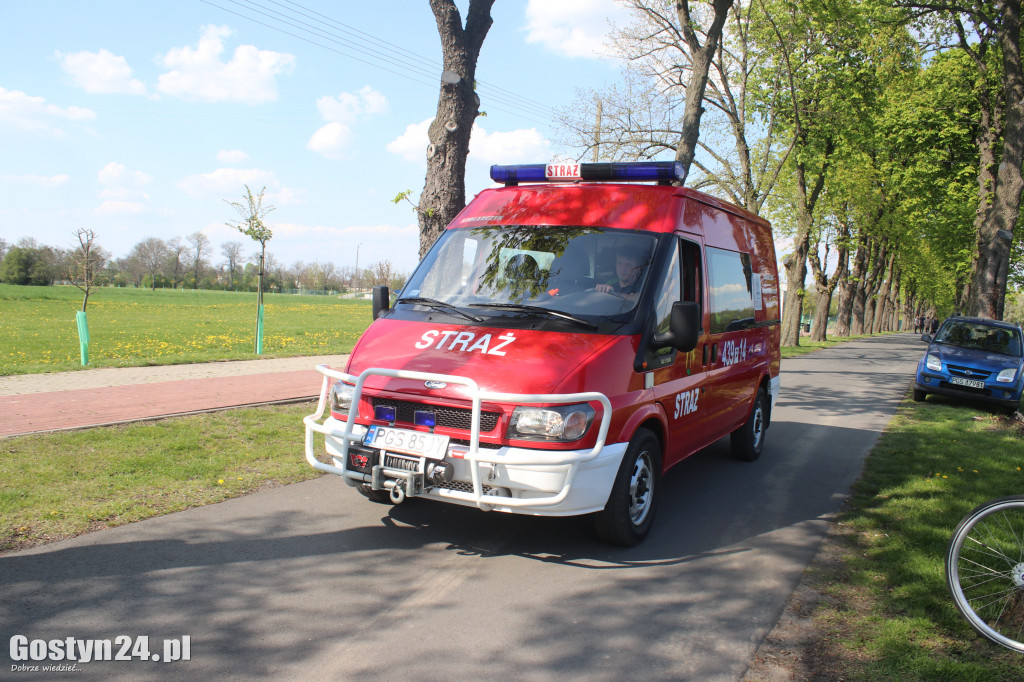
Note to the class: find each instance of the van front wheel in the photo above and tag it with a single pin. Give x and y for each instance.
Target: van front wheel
(748, 440)
(629, 513)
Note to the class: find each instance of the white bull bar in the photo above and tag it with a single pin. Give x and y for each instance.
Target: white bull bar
(546, 458)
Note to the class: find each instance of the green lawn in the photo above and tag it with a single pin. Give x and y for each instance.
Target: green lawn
(58, 485)
(130, 327)
(884, 611)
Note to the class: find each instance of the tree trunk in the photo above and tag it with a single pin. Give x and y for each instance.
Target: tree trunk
(855, 321)
(444, 191)
(824, 285)
(871, 284)
(792, 306)
(700, 58)
(882, 296)
(986, 291)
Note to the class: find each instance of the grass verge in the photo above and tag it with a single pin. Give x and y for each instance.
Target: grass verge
(874, 605)
(63, 484)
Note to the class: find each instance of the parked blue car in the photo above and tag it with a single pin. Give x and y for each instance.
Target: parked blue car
(973, 359)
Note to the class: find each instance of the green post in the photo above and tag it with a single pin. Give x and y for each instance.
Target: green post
(259, 330)
(83, 335)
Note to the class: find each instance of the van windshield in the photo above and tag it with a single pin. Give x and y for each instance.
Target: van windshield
(586, 272)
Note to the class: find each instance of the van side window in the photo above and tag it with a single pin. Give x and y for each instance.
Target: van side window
(730, 300)
(680, 282)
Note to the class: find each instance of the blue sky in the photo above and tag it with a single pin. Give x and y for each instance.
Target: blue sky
(139, 119)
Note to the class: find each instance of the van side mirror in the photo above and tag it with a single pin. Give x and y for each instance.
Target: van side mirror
(381, 300)
(926, 337)
(683, 327)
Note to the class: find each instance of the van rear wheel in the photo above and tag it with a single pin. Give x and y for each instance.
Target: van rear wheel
(748, 440)
(629, 513)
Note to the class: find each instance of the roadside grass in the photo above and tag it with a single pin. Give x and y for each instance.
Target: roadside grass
(58, 485)
(807, 346)
(885, 612)
(132, 327)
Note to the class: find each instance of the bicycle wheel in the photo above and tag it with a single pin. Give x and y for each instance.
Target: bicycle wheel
(985, 570)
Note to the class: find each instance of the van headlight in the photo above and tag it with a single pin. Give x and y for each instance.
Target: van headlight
(1007, 375)
(556, 423)
(933, 362)
(341, 396)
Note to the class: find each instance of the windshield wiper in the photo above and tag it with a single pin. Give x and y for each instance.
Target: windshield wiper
(439, 305)
(519, 308)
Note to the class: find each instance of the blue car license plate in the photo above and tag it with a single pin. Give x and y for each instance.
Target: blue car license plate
(971, 383)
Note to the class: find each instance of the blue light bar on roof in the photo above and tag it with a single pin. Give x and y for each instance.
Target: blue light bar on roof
(641, 171)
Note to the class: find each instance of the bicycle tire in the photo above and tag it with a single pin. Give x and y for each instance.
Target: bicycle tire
(985, 570)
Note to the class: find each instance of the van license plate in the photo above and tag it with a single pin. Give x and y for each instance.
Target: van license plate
(973, 383)
(407, 442)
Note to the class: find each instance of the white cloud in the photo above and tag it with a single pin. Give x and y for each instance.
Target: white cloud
(412, 144)
(514, 146)
(37, 180)
(100, 72)
(121, 191)
(117, 175)
(228, 182)
(341, 113)
(331, 140)
(33, 114)
(573, 28)
(199, 73)
(232, 156)
(286, 196)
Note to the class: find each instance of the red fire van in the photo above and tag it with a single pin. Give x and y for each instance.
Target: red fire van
(570, 337)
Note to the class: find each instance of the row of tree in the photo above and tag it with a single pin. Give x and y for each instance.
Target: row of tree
(885, 140)
(191, 263)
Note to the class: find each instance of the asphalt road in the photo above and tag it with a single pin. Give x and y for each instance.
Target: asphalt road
(312, 581)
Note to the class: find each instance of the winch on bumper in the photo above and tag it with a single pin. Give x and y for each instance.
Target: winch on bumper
(512, 479)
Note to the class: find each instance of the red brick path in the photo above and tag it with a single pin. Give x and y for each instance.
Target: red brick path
(59, 410)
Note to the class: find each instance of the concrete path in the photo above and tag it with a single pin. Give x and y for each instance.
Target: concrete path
(34, 403)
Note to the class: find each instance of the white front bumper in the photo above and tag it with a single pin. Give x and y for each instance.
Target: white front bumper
(510, 479)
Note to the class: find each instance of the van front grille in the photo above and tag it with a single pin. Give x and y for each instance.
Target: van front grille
(448, 417)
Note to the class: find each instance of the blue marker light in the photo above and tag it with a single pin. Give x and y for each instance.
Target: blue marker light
(424, 418)
(385, 413)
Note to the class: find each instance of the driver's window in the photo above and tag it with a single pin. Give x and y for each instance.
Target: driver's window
(681, 281)
(669, 292)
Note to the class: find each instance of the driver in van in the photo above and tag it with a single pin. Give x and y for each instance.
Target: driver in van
(628, 266)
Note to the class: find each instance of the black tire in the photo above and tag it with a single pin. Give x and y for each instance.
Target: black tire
(919, 395)
(748, 440)
(629, 513)
(379, 496)
(985, 571)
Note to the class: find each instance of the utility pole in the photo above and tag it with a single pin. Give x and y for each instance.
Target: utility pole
(597, 133)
